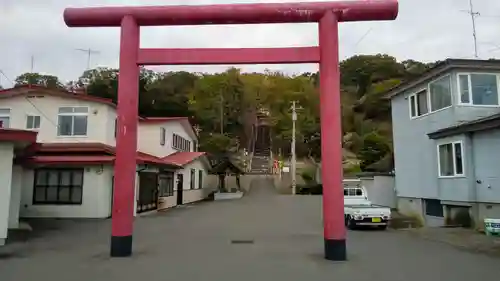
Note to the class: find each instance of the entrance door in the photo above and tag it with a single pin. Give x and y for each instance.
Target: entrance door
(148, 192)
(180, 189)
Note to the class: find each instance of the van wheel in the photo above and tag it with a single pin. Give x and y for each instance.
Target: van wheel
(346, 220)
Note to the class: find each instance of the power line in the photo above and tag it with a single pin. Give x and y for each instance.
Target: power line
(363, 37)
(6, 77)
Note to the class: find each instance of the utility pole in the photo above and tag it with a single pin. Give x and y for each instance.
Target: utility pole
(89, 52)
(294, 160)
(473, 16)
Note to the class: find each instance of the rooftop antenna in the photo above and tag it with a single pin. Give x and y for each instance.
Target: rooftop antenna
(89, 52)
(473, 16)
(32, 63)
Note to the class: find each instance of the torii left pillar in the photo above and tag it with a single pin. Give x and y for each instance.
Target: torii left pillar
(125, 164)
(327, 14)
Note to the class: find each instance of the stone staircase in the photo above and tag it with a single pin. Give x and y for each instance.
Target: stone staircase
(261, 148)
(260, 164)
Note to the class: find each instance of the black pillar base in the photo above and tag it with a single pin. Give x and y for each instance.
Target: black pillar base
(121, 246)
(335, 250)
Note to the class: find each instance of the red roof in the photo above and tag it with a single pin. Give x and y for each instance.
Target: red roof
(64, 159)
(102, 154)
(183, 158)
(26, 89)
(14, 135)
(72, 148)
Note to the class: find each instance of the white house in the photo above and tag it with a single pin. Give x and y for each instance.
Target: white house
(11, 143)
(66, 170)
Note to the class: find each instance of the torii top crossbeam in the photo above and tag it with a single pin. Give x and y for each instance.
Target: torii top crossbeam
(233, 13)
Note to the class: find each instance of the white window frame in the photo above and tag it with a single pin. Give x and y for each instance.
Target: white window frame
(471, 103)
(453, 151)
(6, 115)
(180, 143)
(33, 125)
(415, 99)
(73, 122)
(429, 100)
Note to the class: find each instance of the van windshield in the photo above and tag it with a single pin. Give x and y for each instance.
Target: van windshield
(353, 192)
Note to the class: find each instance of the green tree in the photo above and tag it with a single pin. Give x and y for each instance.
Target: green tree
(217, 143)
(375, 148)
(49, 81)
(168, 94)
(362, 70)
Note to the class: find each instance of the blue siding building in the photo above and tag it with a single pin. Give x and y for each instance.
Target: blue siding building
(446, 130)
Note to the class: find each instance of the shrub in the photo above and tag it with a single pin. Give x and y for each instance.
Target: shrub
(316, 189)
(309, 189)
(308, 175)
(302, 189)
(354, 169)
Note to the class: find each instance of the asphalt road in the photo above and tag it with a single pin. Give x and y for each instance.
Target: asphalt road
(194, 243)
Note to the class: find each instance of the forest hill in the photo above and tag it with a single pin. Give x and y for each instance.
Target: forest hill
(240, 96)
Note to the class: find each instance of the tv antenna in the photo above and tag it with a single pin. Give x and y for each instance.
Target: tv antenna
(89, 52)
(473, 16)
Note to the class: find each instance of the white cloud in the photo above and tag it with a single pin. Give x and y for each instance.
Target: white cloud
(425, 30)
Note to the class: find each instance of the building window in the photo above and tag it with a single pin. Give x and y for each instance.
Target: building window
(478, 89)
(72, 121)
(200, 179)
(32, 122)
(180, 143)
(166, 185)
(4, 117)
(418, 104)
(58, 186)
(163, 135)
(193, 178)
(440, 93)
(450, 159)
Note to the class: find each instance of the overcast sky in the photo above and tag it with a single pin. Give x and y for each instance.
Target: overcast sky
(425, 30)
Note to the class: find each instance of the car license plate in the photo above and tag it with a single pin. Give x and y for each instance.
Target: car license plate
(376, 220)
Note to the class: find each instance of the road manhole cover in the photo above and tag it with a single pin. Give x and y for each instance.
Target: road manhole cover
(242, 241)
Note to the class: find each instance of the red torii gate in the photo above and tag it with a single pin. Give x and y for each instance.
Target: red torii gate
(327, 14)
